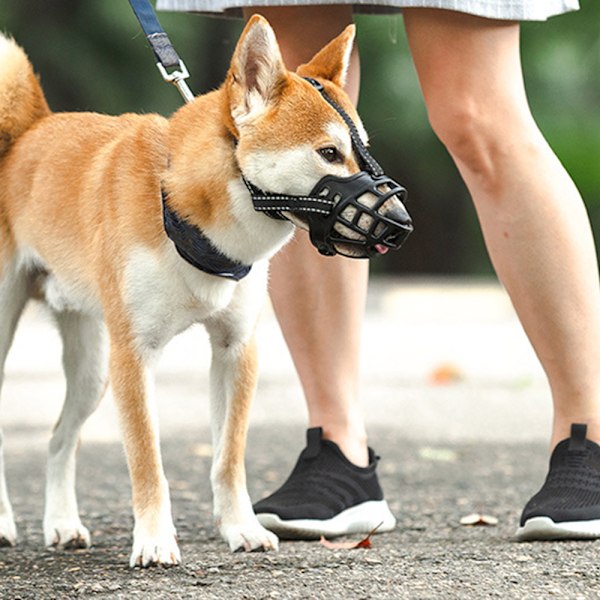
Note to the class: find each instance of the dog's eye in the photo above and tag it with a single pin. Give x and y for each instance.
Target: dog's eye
(331, 154)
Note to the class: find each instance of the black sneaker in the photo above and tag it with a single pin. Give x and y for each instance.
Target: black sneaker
(568, 505)
(326, 495)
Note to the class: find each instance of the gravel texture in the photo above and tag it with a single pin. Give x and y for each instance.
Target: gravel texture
(430, 555)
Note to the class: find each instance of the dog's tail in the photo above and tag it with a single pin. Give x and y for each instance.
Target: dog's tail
(22, 101)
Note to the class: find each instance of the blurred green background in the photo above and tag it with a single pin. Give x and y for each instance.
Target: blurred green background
(91, 55)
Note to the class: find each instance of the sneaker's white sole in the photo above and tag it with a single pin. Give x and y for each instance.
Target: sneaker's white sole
(544, 528)
(361, 518)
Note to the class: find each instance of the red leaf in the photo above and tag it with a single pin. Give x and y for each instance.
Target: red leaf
(364, 543)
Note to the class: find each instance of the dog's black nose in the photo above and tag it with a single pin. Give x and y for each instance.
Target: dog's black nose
(400, 215)
(400, 227)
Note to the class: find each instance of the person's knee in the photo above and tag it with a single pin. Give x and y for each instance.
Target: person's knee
(480, 136)
(468, 131)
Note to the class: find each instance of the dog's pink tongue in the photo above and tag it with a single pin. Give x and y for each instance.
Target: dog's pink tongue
(381, 248)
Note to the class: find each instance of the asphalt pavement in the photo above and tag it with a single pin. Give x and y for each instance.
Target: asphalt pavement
(456, 405)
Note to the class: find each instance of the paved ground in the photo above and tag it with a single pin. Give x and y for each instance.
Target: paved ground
(456, 405)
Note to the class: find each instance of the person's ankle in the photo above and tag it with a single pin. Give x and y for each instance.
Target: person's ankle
(352, 442)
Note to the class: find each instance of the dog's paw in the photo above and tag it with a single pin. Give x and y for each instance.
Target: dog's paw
(8, 531)
(155, 550)
(66, 534)
(249, 537)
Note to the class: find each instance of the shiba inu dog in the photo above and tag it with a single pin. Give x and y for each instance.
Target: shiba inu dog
(135, 227)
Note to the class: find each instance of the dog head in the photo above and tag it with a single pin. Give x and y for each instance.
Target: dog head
(300, 137)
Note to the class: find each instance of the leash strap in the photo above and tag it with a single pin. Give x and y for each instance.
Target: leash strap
(171, 67)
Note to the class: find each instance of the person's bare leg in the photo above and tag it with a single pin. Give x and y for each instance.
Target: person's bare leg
(319, 301)
(534, 221)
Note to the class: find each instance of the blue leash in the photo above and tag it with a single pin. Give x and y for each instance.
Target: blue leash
(191, 244)
(171, 67)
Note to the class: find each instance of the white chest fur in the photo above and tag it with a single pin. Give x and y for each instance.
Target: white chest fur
(165, 295)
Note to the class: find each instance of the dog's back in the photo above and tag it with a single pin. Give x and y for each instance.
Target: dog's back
(40, 151)
(71, 195)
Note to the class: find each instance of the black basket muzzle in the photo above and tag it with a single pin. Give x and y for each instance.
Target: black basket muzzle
(356, 222)
(357, 216)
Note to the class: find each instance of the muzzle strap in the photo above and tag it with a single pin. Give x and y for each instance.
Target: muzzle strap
(273, 204)
(371, 165)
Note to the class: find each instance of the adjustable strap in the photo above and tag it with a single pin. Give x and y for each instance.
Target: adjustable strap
(169, 64)
(273, 204)
(368, 161)
(195, 248)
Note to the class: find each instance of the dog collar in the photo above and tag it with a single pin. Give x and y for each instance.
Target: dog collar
(194, 247)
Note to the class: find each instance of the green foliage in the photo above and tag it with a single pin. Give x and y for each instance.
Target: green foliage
(561, 63)
(91, 55)
(562, 66)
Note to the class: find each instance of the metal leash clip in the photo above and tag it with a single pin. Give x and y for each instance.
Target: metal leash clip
(177, 78)
(162, 47)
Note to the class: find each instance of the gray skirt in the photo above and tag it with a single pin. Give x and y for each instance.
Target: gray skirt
(513, 10)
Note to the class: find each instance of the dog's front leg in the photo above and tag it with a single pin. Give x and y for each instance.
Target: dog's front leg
(154, 536)
(233, 383)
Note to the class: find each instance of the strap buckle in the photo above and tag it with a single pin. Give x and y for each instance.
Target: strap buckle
(177, 78)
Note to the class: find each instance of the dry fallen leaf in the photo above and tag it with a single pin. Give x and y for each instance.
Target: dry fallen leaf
(438, 454)
(364, 543)
(476, 519)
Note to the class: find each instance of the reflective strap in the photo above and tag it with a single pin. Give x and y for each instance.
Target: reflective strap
(273, 204)
(369, 162)
(292, 203)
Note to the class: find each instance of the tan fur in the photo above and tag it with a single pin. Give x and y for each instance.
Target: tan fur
(200, 168)
(237, 423)
(80, 194)
(21, 99)
(326, 63)
(301, 115)
(104, 184)
(302, 118)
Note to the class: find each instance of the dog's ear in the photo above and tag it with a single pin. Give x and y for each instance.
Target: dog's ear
(257, 73)
(331, 62)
